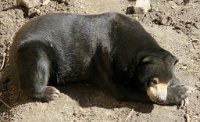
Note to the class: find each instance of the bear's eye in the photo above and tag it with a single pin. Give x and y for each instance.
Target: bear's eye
(154, 81)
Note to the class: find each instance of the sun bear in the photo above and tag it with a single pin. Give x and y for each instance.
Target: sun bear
(110, 49)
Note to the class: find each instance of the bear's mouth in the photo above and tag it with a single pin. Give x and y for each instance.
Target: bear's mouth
(157, 91)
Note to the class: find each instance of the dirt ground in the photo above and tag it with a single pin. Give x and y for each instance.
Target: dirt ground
(174, 25)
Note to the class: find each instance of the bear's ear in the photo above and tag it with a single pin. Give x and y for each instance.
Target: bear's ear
(146, 60)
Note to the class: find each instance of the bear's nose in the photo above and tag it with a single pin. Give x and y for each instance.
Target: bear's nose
(161, 101)
(161, 98)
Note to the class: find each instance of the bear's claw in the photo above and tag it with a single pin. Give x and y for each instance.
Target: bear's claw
(50, 94)
(178, 95)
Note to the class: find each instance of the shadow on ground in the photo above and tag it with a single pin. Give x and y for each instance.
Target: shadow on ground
(87, 95)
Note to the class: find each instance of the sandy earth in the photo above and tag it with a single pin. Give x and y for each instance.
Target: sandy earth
(174, 25)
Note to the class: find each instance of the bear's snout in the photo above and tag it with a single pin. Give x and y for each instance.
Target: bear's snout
(157, 91)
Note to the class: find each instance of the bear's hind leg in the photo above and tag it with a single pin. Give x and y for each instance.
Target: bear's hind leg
(33, 71)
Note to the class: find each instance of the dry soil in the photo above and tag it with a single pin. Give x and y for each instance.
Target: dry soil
(174, 25)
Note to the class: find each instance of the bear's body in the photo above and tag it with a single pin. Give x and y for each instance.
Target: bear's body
(109, 49)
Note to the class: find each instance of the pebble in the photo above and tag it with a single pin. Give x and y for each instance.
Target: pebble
(143, 4)
(32, 3)
(178, 1)
(28, 3)
(173, 4)
(45, 2)
(187, 118)
(186, 1)
(130, 10)
(134, 10)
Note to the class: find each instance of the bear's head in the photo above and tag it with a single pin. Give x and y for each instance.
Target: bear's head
(155, 72)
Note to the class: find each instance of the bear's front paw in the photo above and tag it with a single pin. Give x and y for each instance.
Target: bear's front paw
(178, 95)
(50, 93)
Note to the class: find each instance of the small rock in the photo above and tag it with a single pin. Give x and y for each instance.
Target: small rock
(183, 67)
(188, 24)
(197, 25)
(167, 21)
(45, 2)
(163, 21)
(134, 10)
(62, 1)
(138, 10)
(177, 27)
(173, 4)
(178, 1)
(33, 13)
(187, 117)
(130, 10)
(186, 1)
(32, 3)
(28, 3)
(155, 9)
(143, 4)
(182, 2)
